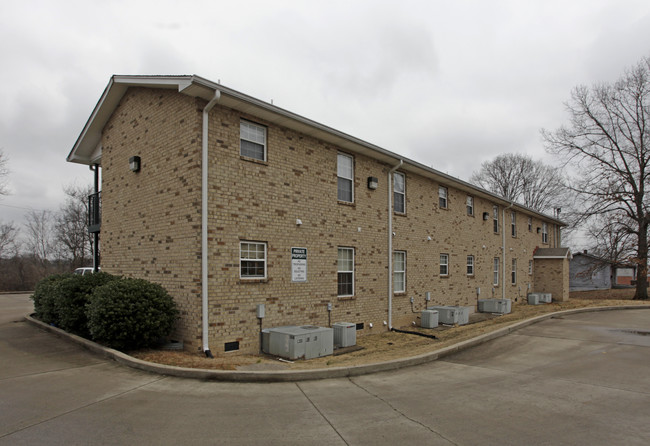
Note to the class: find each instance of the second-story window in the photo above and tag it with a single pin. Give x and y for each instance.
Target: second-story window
(495, 219)
(513, 223)
(399, 192)
(345, 174)
(544, 233)
(252, 140)
(442, 197)
(470, 205)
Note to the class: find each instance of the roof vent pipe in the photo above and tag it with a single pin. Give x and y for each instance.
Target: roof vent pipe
(390, 243)
(204, 224)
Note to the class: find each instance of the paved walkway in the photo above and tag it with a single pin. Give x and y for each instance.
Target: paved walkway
(580, 380)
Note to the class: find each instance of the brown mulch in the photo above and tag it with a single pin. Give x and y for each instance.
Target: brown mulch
(378, 347)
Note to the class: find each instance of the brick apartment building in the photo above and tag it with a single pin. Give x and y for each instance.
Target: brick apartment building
(230, 202)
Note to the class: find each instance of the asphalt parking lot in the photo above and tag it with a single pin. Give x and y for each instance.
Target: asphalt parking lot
(579, 380)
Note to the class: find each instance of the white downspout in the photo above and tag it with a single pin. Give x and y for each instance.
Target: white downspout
(503, 249)
(390, 244)
(204, 224)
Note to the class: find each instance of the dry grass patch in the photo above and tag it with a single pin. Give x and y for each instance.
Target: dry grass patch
(378, 347)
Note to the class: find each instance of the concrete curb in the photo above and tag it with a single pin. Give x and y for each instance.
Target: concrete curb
(303, 375)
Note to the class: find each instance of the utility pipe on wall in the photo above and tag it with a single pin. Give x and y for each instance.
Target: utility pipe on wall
(390, 243)
(204, 224)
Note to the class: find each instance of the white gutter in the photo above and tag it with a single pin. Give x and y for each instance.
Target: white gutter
(204, 223)
(503, 248)
(390, 244)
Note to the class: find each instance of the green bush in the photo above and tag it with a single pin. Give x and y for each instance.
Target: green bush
(44, 297)
(72, 295)
(130, 314)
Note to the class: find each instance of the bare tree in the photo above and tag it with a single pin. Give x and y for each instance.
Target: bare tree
(608, 139)
(71, 226)
(519, 178)
(608, 241)
(39, 236)
(8, 235)
(4, 173)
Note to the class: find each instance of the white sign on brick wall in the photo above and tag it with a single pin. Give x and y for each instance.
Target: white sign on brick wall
(299, 264)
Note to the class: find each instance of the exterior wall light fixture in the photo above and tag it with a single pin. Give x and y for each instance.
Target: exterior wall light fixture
(134, 164)
(373, 182)
(486, 215)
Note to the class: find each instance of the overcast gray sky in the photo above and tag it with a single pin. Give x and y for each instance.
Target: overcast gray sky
(447, 83)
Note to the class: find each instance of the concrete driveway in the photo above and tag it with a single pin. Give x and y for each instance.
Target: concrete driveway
(579, 380)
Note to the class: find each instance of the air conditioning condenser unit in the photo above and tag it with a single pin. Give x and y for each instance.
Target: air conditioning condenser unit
(429, 319)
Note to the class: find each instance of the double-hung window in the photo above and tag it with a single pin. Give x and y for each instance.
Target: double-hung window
(252, 140)
(495, 219)
(345, 174)
(399, 271)
(544, 233)
(513, 223)
(530, 224)
(470, 265)
(345, 270)
(470, 205)
(444, 264)
(530, 267)
(513, 273)
(252, 260)
(399, 192)
(495, 277)
(442, 197)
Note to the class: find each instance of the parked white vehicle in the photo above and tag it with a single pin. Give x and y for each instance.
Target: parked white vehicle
(84, 270)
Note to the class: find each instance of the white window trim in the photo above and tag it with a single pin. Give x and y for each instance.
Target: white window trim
(544, 233)
(470, 205)
(244, 122)
(470, 265)
(446, 264)
(242, 259)
(513, 273)
(351, 179)
(495, 219)
(345, 271)
(395, 175)
(495, 277)
(443, 194)
(513, 223)
(402, 272)
(530, 224)
(530, 267)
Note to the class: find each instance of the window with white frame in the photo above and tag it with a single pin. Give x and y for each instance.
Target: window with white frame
(442, 197)
(513, 223)
(399, 271)
(530, 267)
(513, 273)
(470, 205)
(444, 264)
(530, 224)
(252, 260)
(252, 140)
(345, 270)
(399, 192)
(345, 174)
(495, 219)
(470, 265)
(544, 233)
(495, 277)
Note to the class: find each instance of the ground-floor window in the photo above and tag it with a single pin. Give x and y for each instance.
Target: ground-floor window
(495, 279)
(470, 265)
(399, 271)
(514, 272)
(444, 264)
(252, 260)
(345, 269)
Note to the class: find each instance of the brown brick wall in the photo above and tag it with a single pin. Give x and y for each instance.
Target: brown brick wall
(552, 276)
(151, 225)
